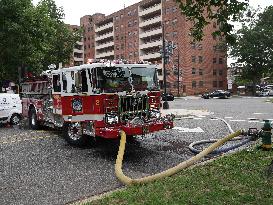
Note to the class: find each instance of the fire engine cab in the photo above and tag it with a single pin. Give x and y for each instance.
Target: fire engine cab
(97, 99)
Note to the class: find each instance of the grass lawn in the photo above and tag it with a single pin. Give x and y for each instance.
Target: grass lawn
(241, 178)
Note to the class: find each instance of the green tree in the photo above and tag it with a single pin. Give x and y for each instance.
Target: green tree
(254, 47)
(32, 37)
(204, 12)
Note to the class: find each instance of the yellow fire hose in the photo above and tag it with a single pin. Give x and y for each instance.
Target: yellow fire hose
(129, 181)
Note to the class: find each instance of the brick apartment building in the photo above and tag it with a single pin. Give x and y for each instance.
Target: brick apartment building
(136, 33)
(77, 57)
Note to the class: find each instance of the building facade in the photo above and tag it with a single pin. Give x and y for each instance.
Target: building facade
(77, 57)
(137, 32)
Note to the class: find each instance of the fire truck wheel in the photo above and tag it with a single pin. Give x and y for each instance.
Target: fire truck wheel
(72, 133)
(33, 122)
(15, 119)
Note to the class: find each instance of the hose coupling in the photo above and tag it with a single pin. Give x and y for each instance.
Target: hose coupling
(253, 132)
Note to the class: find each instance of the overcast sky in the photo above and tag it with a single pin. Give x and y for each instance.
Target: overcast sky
(74, 10)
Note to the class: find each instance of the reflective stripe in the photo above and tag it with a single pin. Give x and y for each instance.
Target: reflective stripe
(83, 117)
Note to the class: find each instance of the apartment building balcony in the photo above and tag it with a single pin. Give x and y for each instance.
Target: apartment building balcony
(105, 45)
(151, 44)
(77, 50)
(150, 21)
(108, 35)
(149, 10)
(149, 56)
(79, 43)
(150, 33)
(78, 59)
(104, 27)
(104, 54)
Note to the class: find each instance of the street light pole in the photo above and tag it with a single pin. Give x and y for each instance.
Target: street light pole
(164, 58)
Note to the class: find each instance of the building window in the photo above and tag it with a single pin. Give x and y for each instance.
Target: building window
(220, 72)
(193, 59)
(214, 60)
(174, 9)
(200, 47)
(221, 84)
(214, 72)
(220, 60)
(174, 33)
(117, 37)
(193, 71)
(121, 15)
(193, 45)
(200, 58)
(174, 22)
(214, 24)
(88, 45)
(200, 71)
(215, 84)
(159, 72)
(193, 84)
(201, 84)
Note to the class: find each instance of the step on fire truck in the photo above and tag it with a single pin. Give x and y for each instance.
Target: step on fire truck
(96, 100)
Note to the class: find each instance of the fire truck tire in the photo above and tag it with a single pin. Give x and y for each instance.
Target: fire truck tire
(15, 119)
(72, 134)
(33, 122)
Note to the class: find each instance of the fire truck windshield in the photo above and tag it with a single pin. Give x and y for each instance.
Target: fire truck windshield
(113, 79)
(144, 78)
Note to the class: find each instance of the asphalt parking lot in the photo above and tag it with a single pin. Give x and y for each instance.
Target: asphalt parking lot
(39, 167)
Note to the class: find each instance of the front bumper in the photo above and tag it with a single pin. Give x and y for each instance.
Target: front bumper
(133, 129)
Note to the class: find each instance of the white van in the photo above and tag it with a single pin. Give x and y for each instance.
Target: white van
(10, 108)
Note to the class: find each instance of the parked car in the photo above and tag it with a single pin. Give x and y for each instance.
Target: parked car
(167, 97)
(10, 108)
(266, 92)
(217, 93)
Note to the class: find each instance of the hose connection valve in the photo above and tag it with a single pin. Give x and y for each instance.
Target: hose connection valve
(266, 135)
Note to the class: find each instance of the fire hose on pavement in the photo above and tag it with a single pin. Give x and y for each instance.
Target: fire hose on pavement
(252, 134)
(129, 181)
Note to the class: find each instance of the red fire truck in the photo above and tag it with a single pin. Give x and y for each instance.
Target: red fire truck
(97, 99)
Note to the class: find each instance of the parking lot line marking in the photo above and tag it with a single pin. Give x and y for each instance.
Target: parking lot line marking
(253, 121)
(185, 129)
(213, 119)
(258, 113)
(237, 120)
(228, 117)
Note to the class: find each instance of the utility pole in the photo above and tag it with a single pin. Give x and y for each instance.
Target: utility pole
(164, 58)
(178, 75)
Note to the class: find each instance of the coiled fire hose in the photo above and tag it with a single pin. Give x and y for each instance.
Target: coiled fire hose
(129, 181)
(224, 149)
